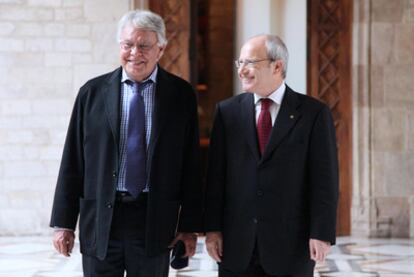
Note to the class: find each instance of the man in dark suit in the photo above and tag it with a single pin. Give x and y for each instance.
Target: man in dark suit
(130, 163)
(272, 184)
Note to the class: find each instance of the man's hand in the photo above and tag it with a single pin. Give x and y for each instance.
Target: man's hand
(214, 245)
(190, 242)
(319, 249)
(63, 241)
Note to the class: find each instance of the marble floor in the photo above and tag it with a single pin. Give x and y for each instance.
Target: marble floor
(351, 257)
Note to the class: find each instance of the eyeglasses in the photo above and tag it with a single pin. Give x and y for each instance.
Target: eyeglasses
(129, 46)
(248, 63)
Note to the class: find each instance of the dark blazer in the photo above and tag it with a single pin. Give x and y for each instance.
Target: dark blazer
(87, 179)
(280, 199)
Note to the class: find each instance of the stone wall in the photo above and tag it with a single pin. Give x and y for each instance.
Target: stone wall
(48, 49)
(384, 118)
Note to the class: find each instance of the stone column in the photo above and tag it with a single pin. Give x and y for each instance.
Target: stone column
(383, 118)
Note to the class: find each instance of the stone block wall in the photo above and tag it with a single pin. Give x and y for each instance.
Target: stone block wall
(48, 49)
(384, 108)
(392, 67)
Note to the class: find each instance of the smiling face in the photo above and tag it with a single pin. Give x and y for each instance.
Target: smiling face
(139, 52)
(262, 77)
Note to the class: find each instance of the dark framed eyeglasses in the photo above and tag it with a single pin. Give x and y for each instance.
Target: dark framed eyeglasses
(249, 63)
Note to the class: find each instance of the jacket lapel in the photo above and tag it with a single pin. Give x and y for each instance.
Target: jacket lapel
(247, 109)
(112, 93)
(161, 109)
(287, 117)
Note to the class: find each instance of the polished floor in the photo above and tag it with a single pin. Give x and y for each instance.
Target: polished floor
(351, 257)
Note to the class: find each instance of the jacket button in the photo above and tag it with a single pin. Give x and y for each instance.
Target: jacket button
(109, 205)
(255, 220)
(114, 173)
(259, 193)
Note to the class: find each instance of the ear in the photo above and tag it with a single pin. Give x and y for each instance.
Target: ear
(161, 52)
(278, 67)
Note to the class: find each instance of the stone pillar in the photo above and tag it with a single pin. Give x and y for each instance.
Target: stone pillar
(360, 214)
(384, 108)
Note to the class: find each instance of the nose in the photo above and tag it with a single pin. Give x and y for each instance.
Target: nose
(134, 50)
(242, 69)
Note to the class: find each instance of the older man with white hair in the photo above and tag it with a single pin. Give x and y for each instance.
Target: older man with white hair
(130, 165)
(272, 186)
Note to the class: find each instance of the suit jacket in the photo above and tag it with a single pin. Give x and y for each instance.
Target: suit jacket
(89, 169)
(280, 199)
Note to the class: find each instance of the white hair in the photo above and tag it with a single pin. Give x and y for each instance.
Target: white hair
(276, 50)
(143, 19)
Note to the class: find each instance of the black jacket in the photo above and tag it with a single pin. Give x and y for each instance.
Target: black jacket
(87, 179)
(281, 199)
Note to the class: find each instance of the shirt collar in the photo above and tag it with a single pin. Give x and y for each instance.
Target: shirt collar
(152, 77)
(275, 96)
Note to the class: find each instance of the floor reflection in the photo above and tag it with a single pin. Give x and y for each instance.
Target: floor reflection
(351, 257)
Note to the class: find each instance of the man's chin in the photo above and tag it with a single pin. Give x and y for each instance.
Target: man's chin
(136, 68)
(246, 88)
(137, 75)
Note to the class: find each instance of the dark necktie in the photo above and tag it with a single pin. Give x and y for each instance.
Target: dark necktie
(135, 176)
(264, 124)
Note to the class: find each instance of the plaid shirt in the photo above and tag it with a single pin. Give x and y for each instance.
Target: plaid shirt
(148, 93)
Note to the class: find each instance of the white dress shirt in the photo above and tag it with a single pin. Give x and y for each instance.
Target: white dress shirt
(276, 97)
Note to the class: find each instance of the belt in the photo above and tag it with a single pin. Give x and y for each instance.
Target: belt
(125, 197)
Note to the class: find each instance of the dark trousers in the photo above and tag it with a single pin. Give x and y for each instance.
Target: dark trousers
(255, 269)
(126, 249)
